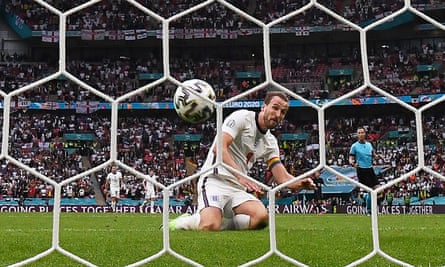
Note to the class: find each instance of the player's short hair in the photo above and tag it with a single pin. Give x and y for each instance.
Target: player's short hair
(361, 128)
(271, 94)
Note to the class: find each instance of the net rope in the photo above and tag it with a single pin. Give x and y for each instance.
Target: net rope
(219, 108)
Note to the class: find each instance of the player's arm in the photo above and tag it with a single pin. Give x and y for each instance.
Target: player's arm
(281, 176)
(155, 188)
(106, 186)
(376, 156)
(352, 160)
(227, 158)
(144, 183)
(107, 183)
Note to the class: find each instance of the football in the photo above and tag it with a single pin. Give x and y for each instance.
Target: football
(192, 107)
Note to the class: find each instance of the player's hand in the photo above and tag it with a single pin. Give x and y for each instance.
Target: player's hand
(308, 183)
(250, 186)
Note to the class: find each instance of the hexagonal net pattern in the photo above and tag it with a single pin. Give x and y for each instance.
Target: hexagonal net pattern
(269, 81)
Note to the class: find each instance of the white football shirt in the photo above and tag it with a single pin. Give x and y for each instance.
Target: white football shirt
(249, 144)
(114, 179)
(149, 186)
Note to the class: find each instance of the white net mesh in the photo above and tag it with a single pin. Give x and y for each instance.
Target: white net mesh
(266, 31)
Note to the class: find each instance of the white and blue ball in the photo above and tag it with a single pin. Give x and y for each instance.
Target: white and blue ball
(191, 107)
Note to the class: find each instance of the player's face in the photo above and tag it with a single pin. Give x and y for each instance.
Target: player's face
(113, 169)
(361, 134)
(274, 112)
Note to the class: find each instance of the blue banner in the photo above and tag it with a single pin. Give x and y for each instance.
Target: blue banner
(338, 185)
(187, 137)
(375, 100)
(79, 136)
(340, 72)
(16, 23)
(294, 136)
(248, 74)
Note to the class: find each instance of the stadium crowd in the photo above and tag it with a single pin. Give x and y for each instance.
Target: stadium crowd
(392, 69)
(114, 15)
(148, 143)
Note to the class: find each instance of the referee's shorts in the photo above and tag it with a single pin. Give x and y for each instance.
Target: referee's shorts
(367, 177)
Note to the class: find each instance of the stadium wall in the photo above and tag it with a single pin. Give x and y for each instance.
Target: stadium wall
(279, 209)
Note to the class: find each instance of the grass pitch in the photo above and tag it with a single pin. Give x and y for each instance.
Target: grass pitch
(107, 239)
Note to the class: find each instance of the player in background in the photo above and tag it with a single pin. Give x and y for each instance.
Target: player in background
(225, 194)
(150, 191)
(113, 185)
(361, 155)
(318, 193)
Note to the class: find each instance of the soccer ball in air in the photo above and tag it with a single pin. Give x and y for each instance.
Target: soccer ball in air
(191, 107)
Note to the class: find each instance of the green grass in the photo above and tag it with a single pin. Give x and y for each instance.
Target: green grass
(106, 239)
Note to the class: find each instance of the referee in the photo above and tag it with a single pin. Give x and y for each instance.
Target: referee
(360, 157)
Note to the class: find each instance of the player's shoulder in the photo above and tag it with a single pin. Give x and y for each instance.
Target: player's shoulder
(270, 135)
(239, 117)
(354, 145)
(240, 113)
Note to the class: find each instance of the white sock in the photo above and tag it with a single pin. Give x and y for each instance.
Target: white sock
(189, 222)
(152, 206)
(238, 222)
